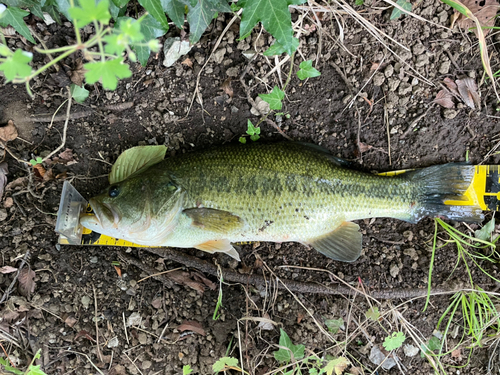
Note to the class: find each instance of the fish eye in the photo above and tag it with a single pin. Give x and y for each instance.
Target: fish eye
(113, 191)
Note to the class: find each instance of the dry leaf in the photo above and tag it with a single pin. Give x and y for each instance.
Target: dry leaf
(226, 86)
(78, 73)
(467, 89)
(374, 66)
(199, 277)
(118, 271)
(184, 278)
(8, 132)
(444, 99)
(70, 321)
(39, 171)
(187, 62)
(67, 155)
(84, 334)
(18, 182)
(457, 353)
(363, 147)
(7, 269)
(26, 281)
(9, 202)
(4, 170)
(485, 12)
(452, 86)
(191, 325)
(156, 303)
(49, 175)
(300, 316)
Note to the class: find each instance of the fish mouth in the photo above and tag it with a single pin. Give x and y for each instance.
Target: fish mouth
(104, 213)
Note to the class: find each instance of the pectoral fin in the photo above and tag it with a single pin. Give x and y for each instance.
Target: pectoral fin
(219, 246)
(214, 220)
(343, 244)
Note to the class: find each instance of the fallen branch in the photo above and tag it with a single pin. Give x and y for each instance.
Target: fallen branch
(259, 281)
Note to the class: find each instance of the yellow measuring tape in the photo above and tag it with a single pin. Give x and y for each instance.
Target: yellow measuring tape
(484, 191)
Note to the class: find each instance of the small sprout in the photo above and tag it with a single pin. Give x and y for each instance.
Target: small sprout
(396, 13)
(252, 131)
(224, 364)
(373, 313)
(394, 341)
(36, 161)
(433, 344)
(334, 325)
(186, 370)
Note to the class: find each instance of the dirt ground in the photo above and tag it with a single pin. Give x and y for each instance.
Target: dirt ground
(368, 106)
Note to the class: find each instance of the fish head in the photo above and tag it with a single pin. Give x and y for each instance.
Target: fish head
(140, 209)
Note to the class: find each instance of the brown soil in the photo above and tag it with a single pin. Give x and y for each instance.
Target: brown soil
(60, 316)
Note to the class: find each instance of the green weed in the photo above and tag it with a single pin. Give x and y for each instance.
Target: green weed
(31, 370)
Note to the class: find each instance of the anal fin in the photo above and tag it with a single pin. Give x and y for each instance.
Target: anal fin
(219, 246)
(344, 243)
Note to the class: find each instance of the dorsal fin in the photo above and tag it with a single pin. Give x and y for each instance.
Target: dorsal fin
(135, 160)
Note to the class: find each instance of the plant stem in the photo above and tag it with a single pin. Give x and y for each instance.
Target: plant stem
(99, 41)
(56, 50)
(49, 64)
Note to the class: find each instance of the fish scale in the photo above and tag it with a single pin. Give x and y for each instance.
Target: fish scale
(272, 192)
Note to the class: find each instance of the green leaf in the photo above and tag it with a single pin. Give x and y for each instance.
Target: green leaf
(175, 10)
(201, 14)
(134, 160)
(38, 160)
(284, 355)
(35, 370)
(274, 16)
(151, 29)
(89, 12)
(252, 131)
(224, 362)
(64, 6)
(485, 232)
(242, 140)
(334, 325)
(50, 6)
(14, 17)
(274, 98)
(16, 65)
(373, 313)
(33, 6)
(433, 344)
(307, 71)
(394, 341)
(5, 363)
(359, 2)
(154, 7)
(278, 49)
(186, 370)
(120, 3)
(129, 31)
(396, 13)
(79, 93)
(107, 71)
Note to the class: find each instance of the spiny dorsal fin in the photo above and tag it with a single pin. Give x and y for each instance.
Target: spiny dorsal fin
(344, 243)
(214, 220)
(134, 160)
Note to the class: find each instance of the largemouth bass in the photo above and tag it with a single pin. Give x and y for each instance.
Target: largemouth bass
(270, 192)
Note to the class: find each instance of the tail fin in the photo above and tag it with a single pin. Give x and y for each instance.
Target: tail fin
(439, 184)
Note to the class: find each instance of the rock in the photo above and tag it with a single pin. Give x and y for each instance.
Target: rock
(86, 302)
(378, 79)
(219, 55)
(410, 350)
(389, 71)
(3, 214)
(233, 71)
(444, 68)
(450, 113)
(261, 107)
(113, 343)
(394, 270)
(173, 49)
(377, 357)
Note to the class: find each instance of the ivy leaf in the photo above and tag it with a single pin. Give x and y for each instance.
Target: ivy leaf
(274, 16)
(334, 325)
(396, 13)
(32, 5)
(6, 364)
(338, 365)
(278, 49)
(89, 12)
(50, 6)
(485, 232)
(274, 98)
(14, 17)
(175, 10)
(63, 6)
(79, 93)
(120, 3)
(151, 29)
(223, 363)
(201, 14)
(284, 355)
(154, 7)
(307, 70)
(373, 313)
(394, 341)
(107, 71)
(16, 65)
